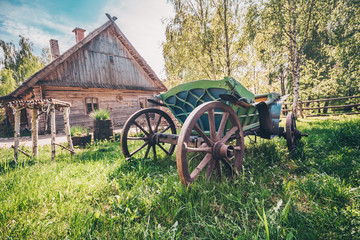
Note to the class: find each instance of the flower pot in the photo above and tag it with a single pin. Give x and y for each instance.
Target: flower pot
(103, 129)
(81, 141)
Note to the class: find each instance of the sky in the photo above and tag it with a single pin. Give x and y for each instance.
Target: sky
(41, 20)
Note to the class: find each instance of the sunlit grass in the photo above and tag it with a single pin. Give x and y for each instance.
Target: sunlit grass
(312, 193)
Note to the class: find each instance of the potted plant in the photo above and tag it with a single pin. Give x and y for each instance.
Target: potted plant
(80, 135)
(103, 125)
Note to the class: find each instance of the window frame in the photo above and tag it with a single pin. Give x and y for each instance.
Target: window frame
(94, 101)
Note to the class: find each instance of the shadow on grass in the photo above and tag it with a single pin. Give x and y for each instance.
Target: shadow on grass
(143, 168)
(101, 151)
(12, 165)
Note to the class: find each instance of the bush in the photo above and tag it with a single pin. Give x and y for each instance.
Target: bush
(79, 131)
(100, 114)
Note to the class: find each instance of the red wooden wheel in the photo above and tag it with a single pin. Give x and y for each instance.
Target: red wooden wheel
(220, 147)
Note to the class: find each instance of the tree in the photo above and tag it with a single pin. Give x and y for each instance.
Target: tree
(8, 83)
(19, 64)
(203, 40)
(292, 22)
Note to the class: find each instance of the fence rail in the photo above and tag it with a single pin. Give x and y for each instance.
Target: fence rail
(354, 107)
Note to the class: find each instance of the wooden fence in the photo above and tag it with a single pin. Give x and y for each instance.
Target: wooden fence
(342, 105)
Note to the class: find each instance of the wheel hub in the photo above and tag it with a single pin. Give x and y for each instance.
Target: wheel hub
(151, 139)
(221, 150)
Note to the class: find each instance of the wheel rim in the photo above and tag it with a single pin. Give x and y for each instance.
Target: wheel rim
(138, 139)
(221, 150)
(290, 131)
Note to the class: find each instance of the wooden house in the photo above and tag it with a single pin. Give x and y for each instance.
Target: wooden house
(102, 70)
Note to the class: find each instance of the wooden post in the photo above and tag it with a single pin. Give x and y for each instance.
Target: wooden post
(17, 113)
(66, 112)
(34, 132)
(53, 131)
(301, 109)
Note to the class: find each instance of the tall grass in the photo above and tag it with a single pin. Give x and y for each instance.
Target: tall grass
(312, 193)
(79, 131)
(100, 114)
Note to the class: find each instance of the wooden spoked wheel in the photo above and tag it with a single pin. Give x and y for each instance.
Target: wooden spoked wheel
(139, 136)
(211, 139)
(291, 132)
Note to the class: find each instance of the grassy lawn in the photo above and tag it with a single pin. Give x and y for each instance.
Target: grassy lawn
(312, 193)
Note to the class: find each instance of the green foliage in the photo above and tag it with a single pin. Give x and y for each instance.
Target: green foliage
(19, 64)
(310, 194)
(7, 83)
(100, 114)
(79, 131)
(203, 40)
(269, 44)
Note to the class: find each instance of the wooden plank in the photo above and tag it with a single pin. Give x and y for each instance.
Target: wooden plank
(334, 114)
(339, 106)
(324, 100)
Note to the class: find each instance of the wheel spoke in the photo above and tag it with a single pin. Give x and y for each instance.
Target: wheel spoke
(226, 162)
(157, 124)
(202, 134)
(162, 148)
(148, 122)
(137, 138)
(237, 148)
(210, 169)
(212, 124)
(200, 149)
(139, 148)
(222, 125)
(229, 134)
(167, 128)
(147, 151)
(141, 128)
(201, 165)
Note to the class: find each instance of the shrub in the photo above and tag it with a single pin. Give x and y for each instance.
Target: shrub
(100, 114)
(79, 131)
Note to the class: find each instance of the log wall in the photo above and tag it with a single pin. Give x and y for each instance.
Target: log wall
(104, 69)
(107, 99)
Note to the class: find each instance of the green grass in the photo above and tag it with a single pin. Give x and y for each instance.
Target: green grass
(312, 193)
(100, 114)
(79, 131)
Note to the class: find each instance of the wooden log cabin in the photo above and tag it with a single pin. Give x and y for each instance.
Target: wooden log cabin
(102, 70)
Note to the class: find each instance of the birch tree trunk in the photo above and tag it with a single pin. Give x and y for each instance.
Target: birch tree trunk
(34, 132)
(66, 113)
(294, 58)
(53, 132)
(17, 133)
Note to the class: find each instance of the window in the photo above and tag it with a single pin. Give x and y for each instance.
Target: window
(91, 104)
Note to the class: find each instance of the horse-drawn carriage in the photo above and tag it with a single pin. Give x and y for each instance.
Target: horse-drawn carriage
(215, 118)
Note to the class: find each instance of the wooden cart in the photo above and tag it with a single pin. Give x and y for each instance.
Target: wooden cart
(215, 117)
